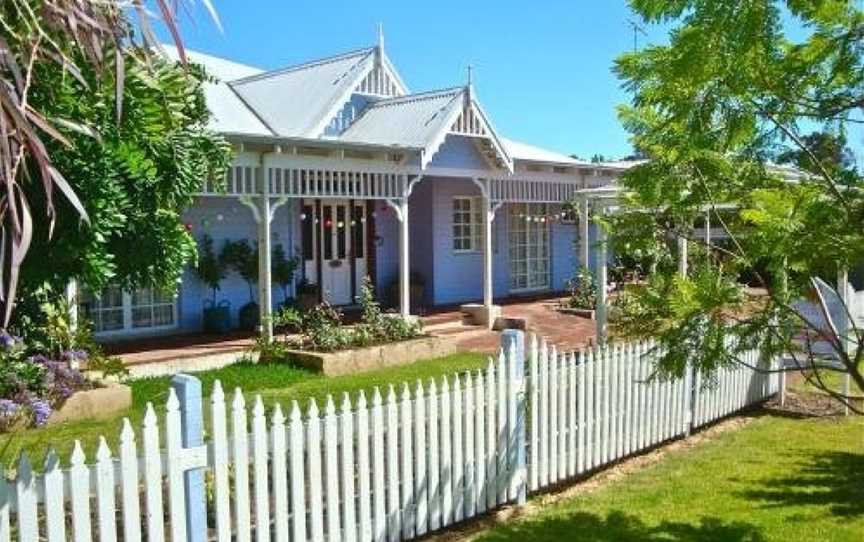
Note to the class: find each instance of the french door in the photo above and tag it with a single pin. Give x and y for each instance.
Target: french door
(529, 247)
(334, 247)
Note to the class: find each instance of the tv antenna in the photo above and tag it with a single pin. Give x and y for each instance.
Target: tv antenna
(637, 29)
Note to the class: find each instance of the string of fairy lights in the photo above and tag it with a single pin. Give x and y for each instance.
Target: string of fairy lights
(543, 218)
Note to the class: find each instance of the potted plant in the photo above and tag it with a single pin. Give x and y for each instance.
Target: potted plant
(282, 271)
(307, 295)
(242, 258)
(211, 270)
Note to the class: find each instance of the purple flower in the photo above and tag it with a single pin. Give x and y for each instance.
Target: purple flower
(41, 411)
(8, 408)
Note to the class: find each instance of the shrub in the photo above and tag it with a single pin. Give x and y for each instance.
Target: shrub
(321, 329)
(583, 290)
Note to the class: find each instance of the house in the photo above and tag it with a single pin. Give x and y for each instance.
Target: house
(341, 164)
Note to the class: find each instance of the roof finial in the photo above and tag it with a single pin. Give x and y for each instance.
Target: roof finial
(470, 70)
(380, 37)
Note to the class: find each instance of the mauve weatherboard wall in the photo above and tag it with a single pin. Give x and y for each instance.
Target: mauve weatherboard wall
(228, 219)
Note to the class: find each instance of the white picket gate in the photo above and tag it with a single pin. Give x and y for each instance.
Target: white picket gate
(391, 468)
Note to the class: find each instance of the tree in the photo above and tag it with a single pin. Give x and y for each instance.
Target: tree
(71, 36)
(134, 180)
(710, 109)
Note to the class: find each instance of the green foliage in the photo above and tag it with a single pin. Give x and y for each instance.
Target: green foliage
(582, 290)
(321, 328)
(211, 268)
(283, 268)
(242, 258)
(731, 90)
(135, 175)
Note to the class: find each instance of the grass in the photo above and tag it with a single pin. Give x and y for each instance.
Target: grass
(777, 478)
(276, 383)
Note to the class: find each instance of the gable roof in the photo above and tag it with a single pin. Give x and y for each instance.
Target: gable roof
(299, 101)
(228, 112)
(412, 121)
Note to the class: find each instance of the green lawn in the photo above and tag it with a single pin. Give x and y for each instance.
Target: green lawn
(778, 478)
(275, 382)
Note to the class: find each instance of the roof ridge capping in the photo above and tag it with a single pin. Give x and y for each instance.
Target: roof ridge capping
(304, 66)
(426, 94)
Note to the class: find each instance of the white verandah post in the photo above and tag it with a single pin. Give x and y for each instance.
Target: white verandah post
(404, 263)
(844, 326)
(265, 289)
(584, 232)
(682, 256)
(602, 283)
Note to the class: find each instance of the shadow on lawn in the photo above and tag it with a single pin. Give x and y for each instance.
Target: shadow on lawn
(621, 527)
(831, 480)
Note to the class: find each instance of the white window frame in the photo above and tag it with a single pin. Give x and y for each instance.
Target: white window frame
(474, 214)
(129, 328)
(537, 236)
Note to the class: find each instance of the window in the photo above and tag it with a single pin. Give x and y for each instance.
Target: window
(467, 224)
(115, 311)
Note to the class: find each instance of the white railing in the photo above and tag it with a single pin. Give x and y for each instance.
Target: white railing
(411, 461)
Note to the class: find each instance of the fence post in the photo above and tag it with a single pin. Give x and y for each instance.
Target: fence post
(188, 390)
(513, 344)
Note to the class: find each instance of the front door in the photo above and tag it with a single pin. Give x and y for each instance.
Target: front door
(338, 239)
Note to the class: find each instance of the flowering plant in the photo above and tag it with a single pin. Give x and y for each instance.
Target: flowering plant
(32, 386)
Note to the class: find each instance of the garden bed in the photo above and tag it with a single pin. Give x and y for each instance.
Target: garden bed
(369, 358)
(94, 404)
(584, 313)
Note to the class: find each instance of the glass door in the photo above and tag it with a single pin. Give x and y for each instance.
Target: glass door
(529, 247)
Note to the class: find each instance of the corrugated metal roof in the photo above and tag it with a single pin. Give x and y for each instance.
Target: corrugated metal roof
(408, 121)
(294, 102)
(229, 113)
(523, 151)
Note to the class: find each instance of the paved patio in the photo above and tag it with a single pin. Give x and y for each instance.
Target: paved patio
(160, 355)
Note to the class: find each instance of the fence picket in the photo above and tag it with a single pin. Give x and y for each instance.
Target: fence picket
(434, 465)
(554, 384)
(480, 461)
(221, 483)
(590, 411)
(240, 462)
(407, 451)
(470, 450)
(79, 486)
(394, 521)
(261, 478)
(349, 499)
(315, 480)
(491, 441)
(331, 470)
(580, 410)
(152, 481)
(379, 510)
(105, 495)
(457, 444)
(533, 403)
(298, 469)
(543, 457)
(280, 475)
(55, 513)
(572, 406)
(421, 478)
(364, 484)
(5, 505)
(446, 476)
(25, 497)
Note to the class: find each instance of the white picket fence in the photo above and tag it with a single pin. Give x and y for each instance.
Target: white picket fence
(393, 468)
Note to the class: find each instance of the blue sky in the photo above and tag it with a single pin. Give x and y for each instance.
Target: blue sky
(542, 69)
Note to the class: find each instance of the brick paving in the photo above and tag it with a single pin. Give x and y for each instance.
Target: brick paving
(566, 331)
